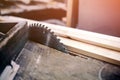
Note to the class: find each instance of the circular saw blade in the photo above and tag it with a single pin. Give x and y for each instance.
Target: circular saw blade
(41, 34)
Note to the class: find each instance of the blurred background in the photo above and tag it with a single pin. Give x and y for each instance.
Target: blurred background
(101, 16)
(51, 11)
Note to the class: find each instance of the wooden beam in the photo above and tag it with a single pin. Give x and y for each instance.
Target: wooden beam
(72, 13)
(93, 38)
(92, 51)
(106, 41)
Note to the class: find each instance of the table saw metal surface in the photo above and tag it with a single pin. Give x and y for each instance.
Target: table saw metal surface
(38, 62)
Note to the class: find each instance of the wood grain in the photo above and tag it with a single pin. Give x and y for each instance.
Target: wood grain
(106, 41)
(92, 51)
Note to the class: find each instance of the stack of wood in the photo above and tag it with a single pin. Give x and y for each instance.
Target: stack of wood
(99, 46)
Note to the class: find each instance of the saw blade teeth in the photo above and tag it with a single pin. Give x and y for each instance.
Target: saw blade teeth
(40, 25)
(46, 28)
(45, 32)
(30, 25)
(58, 40)
(62, 44)
(55, 36)
(43, 26)
(49, 30)
(52, 33)
(33, 24)
(36, 25)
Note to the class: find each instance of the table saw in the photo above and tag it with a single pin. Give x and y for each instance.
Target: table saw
(48, 59)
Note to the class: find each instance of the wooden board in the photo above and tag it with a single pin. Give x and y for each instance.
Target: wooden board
(93, 38)
(92, 51)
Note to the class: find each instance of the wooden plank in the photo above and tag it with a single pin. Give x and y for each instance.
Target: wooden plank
(97, 39)
(92, 51)
(72, 13)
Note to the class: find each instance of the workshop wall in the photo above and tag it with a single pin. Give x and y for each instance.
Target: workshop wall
(101, 16)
